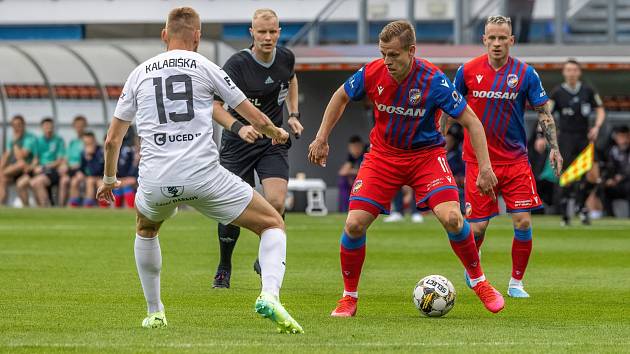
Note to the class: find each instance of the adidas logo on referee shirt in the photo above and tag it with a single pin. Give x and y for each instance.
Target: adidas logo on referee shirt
(269, 80)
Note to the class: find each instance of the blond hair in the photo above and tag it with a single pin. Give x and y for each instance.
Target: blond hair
(265, 14)
(183, 22)
(400, 29)
(499, 20)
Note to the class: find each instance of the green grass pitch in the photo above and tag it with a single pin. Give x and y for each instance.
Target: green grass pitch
(68, 283)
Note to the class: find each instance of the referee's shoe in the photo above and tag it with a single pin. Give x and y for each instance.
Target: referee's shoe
(222, 279)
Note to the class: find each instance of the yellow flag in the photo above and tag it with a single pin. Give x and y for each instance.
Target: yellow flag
(582, 164)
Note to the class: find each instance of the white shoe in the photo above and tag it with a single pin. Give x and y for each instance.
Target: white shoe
(417, 218)
(394, 217)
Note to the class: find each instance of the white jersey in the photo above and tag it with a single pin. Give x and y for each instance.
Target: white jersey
(171, 96)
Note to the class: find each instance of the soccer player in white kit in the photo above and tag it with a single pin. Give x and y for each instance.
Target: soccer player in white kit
(171, 98)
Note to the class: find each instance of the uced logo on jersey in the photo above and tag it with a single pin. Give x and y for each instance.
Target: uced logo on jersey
(411, 112)
(161, 138)
(495, 94)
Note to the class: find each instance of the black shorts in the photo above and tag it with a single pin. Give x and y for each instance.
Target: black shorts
(52, 175)
(571, 145)
(242, 158)
(73, 171)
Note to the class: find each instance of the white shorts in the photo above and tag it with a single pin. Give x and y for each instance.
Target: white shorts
(222, 197)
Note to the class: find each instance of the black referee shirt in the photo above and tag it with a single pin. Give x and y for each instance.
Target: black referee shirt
(574, 107)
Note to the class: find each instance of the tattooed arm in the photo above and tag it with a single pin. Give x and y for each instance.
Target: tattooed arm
(548, 126)
(445, 123)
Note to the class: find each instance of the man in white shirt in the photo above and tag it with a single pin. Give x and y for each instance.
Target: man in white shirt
(171, 97)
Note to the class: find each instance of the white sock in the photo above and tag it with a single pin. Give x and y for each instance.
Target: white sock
(474, 282)
(354, 294)
(515, 283)
(272, 254)
(149, 263)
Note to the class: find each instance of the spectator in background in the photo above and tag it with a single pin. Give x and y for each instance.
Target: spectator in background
(521, 13)
(17, 160)
(51, 156)
(348, 171)
(454, 138)
(538, 154)
(404, 197)
(73, 159)
(616, 173)
(127, 170)
(574, 101)
(89, 173)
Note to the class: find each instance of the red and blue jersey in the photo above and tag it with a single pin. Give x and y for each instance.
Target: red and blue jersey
(498, 98)
(405, 113)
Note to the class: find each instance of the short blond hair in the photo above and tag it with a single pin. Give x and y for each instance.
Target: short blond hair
(265, 14)
(499, 20)
(403, 30)
(182, 22)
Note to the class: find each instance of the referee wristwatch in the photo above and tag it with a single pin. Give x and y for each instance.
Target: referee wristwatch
(295, 114)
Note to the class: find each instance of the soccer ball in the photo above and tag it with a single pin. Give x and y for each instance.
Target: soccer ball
(434, 296)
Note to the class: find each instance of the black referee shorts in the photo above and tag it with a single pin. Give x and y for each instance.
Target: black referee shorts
(571, 145)
(242, 159)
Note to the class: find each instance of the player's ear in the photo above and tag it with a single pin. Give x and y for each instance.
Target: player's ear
(412, 50)
(164, 36)
(251, 32)
(512, 40)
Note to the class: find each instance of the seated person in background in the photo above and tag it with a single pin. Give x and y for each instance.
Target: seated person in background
(17, 160)
(127, 171)
(538, 155)
(90, 173)
(73, 159)
(50, 156)
(616, 174)
(348, 171)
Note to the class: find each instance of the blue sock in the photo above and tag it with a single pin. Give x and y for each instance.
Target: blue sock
(461, 235)
(523, 235)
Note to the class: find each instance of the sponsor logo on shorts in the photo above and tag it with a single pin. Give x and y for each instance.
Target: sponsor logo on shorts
(172, 191)
(162, 138)
(436, 182)
(523, 203)
(468, 209)
(357, 185)
(177, 200)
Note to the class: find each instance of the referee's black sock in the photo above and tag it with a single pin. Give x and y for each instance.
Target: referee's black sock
(584, 191)
(228, 235)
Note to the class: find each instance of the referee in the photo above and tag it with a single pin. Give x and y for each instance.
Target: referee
(265, 73)
(574, 101)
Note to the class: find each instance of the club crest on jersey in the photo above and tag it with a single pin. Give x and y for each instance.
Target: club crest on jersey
(357, 185)
(512, 80)
(172, 191)
(415, 95)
